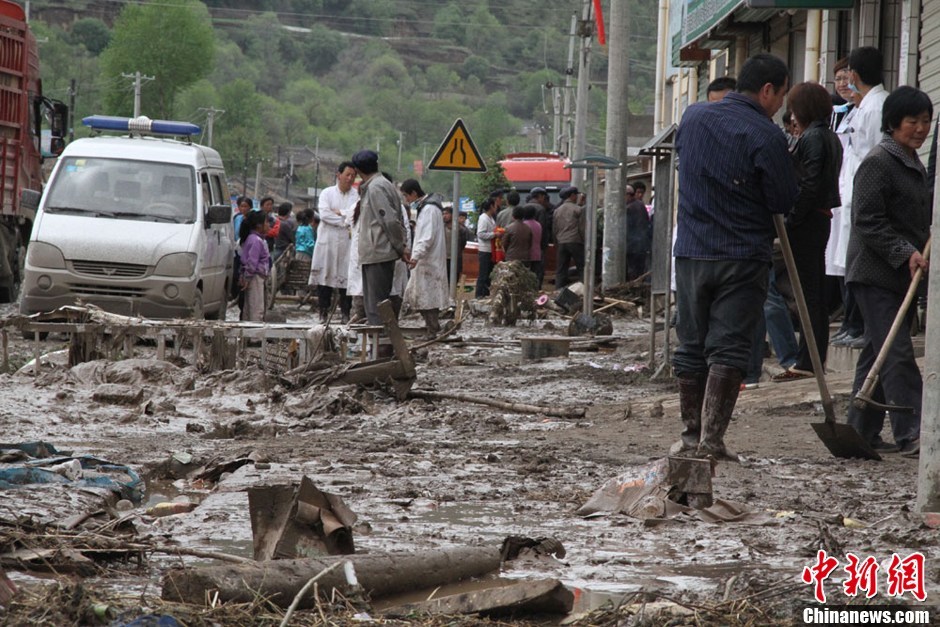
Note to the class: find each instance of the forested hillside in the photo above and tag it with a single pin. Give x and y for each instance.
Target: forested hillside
(333, 75)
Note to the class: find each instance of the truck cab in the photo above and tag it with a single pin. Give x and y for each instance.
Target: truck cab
(137, 225)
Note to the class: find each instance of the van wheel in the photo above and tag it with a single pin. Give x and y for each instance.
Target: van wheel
(198, 312)
(220, 313)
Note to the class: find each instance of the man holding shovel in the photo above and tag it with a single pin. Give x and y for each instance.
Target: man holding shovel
(735, 173)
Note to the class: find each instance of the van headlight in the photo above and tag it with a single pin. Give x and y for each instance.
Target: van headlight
(43, 255)
(177, 264)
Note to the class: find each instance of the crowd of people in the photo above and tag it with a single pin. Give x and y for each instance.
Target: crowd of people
(372, 241)
(845, 173)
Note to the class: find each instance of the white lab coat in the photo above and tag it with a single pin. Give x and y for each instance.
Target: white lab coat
(859, 132)
(427, 287)
(330, 263)
(354, 273)
(400, 280)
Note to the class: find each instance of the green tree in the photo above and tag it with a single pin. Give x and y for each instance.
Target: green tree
(91, 33)
(240, 130)
(494, 178)
(449, 24)
(475, 65)
(172, 41)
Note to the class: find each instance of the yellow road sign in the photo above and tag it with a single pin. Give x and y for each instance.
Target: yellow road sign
(457, 152)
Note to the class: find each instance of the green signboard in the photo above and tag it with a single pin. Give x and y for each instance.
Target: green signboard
(801, 4)
(702, 15)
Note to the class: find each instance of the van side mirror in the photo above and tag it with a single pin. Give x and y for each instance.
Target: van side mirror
(218, 214)
(29, 199)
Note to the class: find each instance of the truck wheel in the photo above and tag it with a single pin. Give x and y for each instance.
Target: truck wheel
(198, 312)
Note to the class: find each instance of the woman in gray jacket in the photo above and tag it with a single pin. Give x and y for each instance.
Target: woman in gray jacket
(890, 227)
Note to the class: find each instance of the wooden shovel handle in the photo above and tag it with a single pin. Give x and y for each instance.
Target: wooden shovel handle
(806, 327)
(865, 392)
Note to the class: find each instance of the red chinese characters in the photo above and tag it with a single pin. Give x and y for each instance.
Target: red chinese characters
(906, 575)
(819, 572)
(862, 576)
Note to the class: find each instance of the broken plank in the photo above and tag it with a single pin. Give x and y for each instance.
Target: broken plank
(279, 581)
(561, 412)
(543, 596)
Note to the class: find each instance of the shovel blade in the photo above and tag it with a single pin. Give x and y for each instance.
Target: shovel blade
(844, 441)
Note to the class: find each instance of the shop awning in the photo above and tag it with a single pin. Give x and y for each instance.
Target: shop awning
(713, 24)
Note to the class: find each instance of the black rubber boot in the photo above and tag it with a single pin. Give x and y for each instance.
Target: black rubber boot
(721, 394)
(691, 397)
(431, 322)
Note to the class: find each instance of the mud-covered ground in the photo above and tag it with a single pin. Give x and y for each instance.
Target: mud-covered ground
(423, 474)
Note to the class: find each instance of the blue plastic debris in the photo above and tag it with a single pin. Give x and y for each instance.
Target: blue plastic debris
(149, 620)
(118, 478)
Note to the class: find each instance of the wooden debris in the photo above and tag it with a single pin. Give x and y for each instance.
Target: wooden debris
(279, 581)
(544, 596)
(561, 412)
(535, 347)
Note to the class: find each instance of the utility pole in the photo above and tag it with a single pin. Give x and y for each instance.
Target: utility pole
(928, 478)
(72, 94)
(564, 140)
(584, 83)
(245, 174)
(289, 175)
(556, 117)
(258, 180)
(138, 80)
(401, 137)
(614, 269)
(210, 122)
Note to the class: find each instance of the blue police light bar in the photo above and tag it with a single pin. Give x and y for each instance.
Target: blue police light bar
(141, 124)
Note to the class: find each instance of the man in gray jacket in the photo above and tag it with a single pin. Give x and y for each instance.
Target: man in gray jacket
(568, 223)
(381, 233)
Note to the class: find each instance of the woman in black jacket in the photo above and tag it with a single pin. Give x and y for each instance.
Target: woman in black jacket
(819, 157)
(891, 213)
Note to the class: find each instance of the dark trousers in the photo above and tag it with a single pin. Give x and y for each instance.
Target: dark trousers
(566, 254)
(325, 299)
(483, 280)
(636, 265)
(459, 268)
(718, 303)
(808, 242)
(538, 268)
(236, 288)
(852, 321)
(376, 286)
(899, 382)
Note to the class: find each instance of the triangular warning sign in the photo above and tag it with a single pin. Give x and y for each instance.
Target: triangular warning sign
(457, 152)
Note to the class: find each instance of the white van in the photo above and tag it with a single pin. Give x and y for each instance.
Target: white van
(137, 225)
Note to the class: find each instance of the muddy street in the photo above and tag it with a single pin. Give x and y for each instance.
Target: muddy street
(437, 474)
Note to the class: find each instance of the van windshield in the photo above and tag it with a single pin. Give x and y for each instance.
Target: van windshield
(119, 188)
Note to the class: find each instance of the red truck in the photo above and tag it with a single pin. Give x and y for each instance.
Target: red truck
(526, 170)
(22, 112)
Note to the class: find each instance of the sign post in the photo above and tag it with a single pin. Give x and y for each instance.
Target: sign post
(457, 153)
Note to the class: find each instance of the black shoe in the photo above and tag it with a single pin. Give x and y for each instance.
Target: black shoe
(882, 447)
(858, 342)
(911, 448)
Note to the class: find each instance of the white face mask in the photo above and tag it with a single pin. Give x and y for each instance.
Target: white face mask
(854, 88)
